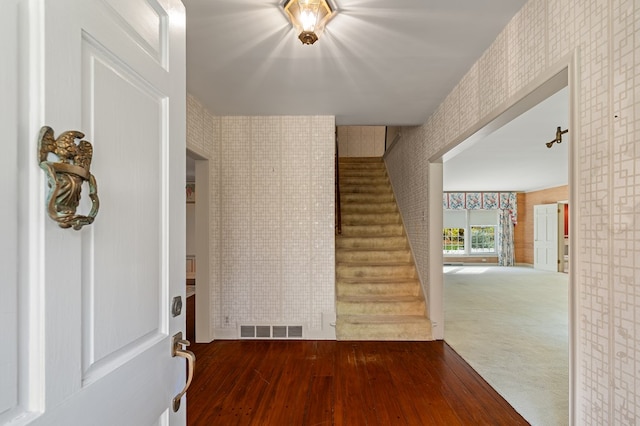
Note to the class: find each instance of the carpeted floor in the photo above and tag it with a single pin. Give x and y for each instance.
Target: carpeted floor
(511, 325)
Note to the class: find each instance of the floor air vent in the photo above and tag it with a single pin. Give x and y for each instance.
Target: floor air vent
(271, 332)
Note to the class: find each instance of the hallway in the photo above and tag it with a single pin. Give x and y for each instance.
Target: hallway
(340, 383)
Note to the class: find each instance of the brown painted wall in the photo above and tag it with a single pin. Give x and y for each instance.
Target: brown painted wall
(523, 232)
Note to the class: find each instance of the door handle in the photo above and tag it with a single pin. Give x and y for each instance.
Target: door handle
(177, 350)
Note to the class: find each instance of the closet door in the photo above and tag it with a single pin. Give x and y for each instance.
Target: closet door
(545, 231)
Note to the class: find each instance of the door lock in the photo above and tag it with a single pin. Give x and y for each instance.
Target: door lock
(176, 306)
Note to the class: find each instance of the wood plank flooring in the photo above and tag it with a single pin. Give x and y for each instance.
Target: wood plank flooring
(340, 383)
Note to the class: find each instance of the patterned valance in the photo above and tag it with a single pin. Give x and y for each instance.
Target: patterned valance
(482, 201)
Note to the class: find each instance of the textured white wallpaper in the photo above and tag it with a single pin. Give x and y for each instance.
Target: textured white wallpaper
(272, 219)
(606, 35)
(361, 141)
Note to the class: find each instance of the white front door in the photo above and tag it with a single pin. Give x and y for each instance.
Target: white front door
(91, 327)
(545, 231)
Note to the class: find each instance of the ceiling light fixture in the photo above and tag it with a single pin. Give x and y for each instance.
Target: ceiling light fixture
(309, 17)
(558, 139)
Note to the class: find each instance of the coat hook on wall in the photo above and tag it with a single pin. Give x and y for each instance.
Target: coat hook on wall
(558, 139)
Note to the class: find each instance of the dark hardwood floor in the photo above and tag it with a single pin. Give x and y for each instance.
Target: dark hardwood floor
(190, 331)
(339, 383)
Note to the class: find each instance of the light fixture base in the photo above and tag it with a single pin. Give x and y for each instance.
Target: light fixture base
(309, 17)
(308, 37)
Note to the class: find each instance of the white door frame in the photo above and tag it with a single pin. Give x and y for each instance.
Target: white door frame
(204, 331)
(564, 73)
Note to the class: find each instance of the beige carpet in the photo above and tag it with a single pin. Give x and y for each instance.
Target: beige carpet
(511, 325)
(378, 294)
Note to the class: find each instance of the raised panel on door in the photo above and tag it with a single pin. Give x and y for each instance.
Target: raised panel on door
(123, 256)
(145, 22)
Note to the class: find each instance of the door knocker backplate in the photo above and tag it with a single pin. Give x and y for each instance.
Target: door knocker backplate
(66, 176)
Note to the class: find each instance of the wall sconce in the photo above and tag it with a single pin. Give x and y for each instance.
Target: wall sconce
(309, 17)
(558, 139)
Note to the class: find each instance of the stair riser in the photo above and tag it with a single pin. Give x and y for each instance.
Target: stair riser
(380, 308)
(361, 160)
(370, 219)
(410, 332)
(361, 165)
(369, 208)
(365, 189)
(363, 198)
(346, 174)
(366, 289)
(350, 271)
(368, 256)
(378, 171)
(385, 243)
(394, 230)
(363, 181)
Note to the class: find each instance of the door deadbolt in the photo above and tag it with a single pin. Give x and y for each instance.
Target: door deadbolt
(176, 306)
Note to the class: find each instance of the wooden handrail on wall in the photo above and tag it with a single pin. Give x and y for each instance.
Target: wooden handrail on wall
(338, 214)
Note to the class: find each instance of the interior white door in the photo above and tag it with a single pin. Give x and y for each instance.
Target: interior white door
(95, 311)
(545, 230)
(9, 213)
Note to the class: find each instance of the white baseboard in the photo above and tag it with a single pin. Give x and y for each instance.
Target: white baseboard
(225, 334)
(321, 334)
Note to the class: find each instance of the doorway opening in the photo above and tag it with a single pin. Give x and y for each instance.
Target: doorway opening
(555, 83)
(198, 310)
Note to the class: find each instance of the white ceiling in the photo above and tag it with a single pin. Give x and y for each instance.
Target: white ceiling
(377, 63)
(515, 157)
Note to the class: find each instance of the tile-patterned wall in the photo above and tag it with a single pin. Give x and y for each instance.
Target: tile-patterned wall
(361, 141)
(272, 219)
(605, 34)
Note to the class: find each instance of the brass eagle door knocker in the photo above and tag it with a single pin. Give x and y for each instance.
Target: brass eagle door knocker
(66, 176)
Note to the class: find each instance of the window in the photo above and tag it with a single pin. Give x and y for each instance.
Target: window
(480, 225)
(453, 240)
(483, 239)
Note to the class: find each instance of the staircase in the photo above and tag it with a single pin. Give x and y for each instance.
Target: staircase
(378, 292)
